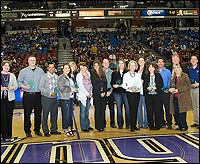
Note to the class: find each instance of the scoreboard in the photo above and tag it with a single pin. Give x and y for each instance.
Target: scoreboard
(56, 14)
(182, 12)
(169, 13)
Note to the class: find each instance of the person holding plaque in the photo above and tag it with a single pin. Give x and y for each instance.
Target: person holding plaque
(152, 87)
(66, 94)
(84, 96)
(48, 88)
(142, 111)
(180, 98)
(99, 89)
(8, 86)
(132, 83)
(176, 59)
(109, 95)
(165, 95)
(120, 94)
(28, 81)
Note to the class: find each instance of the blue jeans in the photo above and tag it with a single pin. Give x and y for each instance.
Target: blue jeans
(120, 99)
(142, 114)
(84, 114)
(66, 110)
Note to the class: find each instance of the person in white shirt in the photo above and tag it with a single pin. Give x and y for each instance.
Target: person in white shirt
(84, 96)
(132, 83)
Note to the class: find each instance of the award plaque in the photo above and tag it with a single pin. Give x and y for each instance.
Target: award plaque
(152, 86)
(119, 82)
(31, 83)
(55, 90)
(192, 81)
(75, 86)
(173, 86)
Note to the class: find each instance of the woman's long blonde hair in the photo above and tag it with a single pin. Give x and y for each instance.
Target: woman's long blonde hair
(173, 73)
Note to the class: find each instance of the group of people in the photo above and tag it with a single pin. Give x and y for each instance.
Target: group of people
(148, 92)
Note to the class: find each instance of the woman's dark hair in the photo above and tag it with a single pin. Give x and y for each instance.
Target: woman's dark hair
(62, 67)
(101, 74)
(154, 65)
(141, 57)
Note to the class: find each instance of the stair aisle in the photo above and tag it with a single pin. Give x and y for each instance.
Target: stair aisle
(64, 56)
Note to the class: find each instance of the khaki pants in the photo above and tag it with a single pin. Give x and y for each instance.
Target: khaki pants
(195, 103)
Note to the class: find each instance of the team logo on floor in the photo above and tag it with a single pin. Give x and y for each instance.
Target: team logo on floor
(156, 148)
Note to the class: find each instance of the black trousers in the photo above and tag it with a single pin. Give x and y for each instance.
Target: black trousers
(133, 101)
(165, 98)
(110, 101)
(31, 102)
(180, 117)
(6, 117)
(154, 107)
(99, 113)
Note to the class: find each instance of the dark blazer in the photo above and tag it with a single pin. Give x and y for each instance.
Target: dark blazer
(98, 84)
(158, 80)
(116, 79)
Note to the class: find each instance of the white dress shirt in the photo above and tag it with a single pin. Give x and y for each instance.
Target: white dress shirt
(132, 81)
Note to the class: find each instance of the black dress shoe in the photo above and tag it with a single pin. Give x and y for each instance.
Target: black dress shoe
(90, 128)
(184, 129)
(169, 127)
(157, 128)
(194, 125)
(85, 130)
(113, 126)
(120, 127)
(38, 133)
(132, 130)
(162, 126)
(178, 128)
(28, 135)
(100, 130)
(136, 128)
(10, 139)
(56, 132)
(47, 134)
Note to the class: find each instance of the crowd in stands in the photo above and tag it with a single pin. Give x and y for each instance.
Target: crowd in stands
(88, 46)
(15, 5)
(16, 47)
(168, 42)
(108, 44)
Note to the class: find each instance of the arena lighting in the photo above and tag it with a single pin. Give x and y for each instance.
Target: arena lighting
(93, 17)
(152, 16)
(29, 19)
(62, 14)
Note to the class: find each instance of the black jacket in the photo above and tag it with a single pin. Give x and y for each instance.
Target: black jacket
(117, 79)
(99, 86)
(158, 81)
